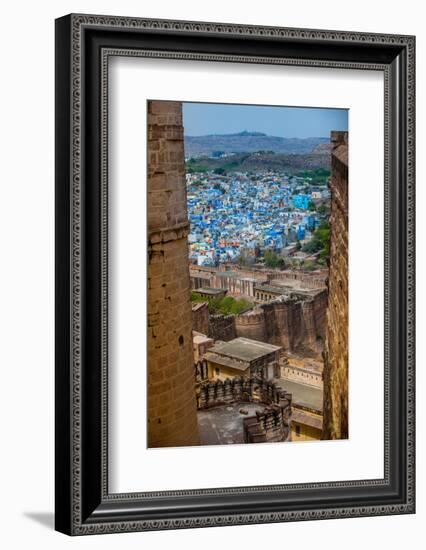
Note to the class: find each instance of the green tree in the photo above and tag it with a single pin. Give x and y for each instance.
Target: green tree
(320, 241)
(323, 209)
(219, 187)
(195, 297)
(245, 259)
(273, 260)
(239, 306)
(229, 305)
(309, 265)
(195, 165)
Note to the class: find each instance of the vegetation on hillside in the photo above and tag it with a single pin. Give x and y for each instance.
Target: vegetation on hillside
(318, 176)
(273, 260)
(315, 166)
(226, 305)
(320, 241)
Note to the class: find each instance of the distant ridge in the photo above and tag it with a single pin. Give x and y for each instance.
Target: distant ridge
(246, 162)
(249, 142)
(243, 133)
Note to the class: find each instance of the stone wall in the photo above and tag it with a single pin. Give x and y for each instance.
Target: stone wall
(239, 279)
(303, 376)
(320, 313)
(237, 286)
(222, 327)
(272, 424)
(268, 426)
(172, 417)
(200, 317)
(307, 279)
(284, 323)
(287, 322)
(249, 389)
(335, 424)
(252, 325)
(298, 319)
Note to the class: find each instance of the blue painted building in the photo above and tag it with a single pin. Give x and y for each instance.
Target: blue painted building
(300, 232)
(301, 201)
(312, 222)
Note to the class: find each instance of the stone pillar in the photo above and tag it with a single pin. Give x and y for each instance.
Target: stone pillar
(335, 424)
(172, 416)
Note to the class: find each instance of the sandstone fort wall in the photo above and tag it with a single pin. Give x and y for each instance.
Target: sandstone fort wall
(172, 417)
(200, 318)
(336, 345)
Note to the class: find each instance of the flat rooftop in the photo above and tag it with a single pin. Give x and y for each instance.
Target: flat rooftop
(303, 395)
(224, 425)
(316, 282)
(274, 289)
(226, 361)
(244, 349)
(198, 305)
(305, 418)
(293, 284)
(209, 291)
(255, 277)
(280, 288)
(227, 274)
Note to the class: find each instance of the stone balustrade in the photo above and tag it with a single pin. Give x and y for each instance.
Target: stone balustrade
(270, 424)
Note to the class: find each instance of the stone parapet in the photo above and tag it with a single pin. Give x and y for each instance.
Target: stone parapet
(250, 389)
(267, 426)
(270, 424)
(222, 327)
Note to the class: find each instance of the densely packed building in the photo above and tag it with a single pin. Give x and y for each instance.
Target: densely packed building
(243, 214)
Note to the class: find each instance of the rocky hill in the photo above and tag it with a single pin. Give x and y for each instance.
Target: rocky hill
(322, 149)
(249, 142)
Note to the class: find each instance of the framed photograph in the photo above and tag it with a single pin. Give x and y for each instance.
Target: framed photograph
(234, 274)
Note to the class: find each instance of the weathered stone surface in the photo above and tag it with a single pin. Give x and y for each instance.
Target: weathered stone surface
(271, 423)
(200, 317)
(287, 322)
(335, 425)
(291, 321)
(172, 416)
(222, 327)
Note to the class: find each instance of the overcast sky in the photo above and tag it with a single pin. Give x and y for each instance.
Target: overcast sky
(217, 118)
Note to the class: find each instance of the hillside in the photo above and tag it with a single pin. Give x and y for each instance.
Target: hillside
(246, 162)
(249, 142)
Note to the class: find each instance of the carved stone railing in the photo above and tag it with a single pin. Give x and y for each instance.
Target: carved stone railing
(201, 371)
(270, 424)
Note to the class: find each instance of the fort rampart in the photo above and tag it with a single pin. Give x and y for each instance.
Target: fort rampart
(335, 424)
(172, 413)
(270, 424)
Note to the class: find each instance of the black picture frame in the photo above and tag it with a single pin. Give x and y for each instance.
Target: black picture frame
(83, 504)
